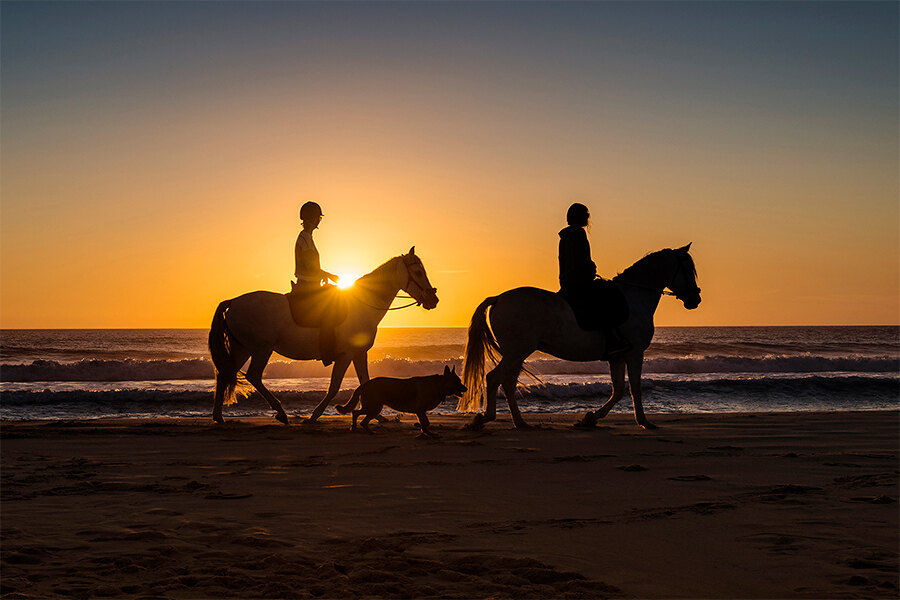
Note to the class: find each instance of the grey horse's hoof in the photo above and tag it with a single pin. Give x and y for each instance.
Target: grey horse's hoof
(588, 421)
(648, 425)
(282, 418)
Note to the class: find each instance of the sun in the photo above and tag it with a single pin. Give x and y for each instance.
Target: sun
(347, 279)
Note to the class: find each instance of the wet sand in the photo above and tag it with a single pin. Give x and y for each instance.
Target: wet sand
(708, 506)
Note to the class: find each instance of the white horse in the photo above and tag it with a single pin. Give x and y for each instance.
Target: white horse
(256, 324)
(527, 319)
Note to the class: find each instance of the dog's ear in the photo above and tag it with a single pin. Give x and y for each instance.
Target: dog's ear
(446, 370)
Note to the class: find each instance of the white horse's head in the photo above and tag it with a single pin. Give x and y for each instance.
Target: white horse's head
(414, 281)
(684, 280)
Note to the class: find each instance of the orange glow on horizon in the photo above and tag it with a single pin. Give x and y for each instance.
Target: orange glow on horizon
(142, 191)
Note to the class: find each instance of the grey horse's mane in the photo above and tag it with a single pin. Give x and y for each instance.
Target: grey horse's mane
(649, 264)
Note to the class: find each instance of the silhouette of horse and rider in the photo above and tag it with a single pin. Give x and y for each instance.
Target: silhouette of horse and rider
(589, 319)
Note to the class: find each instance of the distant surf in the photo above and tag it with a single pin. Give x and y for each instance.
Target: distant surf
(98, 373)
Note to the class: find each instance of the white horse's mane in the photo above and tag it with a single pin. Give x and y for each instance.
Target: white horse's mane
(377, 270)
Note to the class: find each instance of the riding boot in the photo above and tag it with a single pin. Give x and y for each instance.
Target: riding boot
(615, 343)
(327, 345)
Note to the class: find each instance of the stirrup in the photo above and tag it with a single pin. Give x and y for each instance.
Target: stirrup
(617, 351)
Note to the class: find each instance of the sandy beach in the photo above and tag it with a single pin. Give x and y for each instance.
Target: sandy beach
(800, 505)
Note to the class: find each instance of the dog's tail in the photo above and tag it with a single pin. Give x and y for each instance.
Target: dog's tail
(351, 403)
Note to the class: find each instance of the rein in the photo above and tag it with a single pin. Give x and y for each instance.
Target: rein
(413, 303)
(390, 307)
(398, 295)
(663, 291)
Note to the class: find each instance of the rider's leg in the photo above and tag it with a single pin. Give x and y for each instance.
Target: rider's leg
(616, 343)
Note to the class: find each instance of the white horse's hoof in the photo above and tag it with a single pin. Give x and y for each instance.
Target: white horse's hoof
(648, 425)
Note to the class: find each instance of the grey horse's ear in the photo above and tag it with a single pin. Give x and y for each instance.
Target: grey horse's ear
(453, 370)
(686, 248)
(446, 370)
(412, 250)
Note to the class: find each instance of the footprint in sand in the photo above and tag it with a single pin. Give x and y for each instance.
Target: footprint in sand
(691, 478)
(874, 499)
(632, 468)
(164, 511)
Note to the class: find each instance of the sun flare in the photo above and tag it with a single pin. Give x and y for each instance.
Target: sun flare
(347, 280)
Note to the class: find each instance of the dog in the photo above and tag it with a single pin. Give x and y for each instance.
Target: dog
(416, 395)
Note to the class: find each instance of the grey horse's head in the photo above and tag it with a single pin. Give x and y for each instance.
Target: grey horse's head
(684, 281)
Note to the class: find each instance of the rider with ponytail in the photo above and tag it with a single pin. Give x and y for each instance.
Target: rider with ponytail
(578, 280)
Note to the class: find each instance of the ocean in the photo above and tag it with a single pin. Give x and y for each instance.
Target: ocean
(69, 374)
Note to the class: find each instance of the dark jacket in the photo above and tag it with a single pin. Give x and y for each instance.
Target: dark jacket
(576, 269)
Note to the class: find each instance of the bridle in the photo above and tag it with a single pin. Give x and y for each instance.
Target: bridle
(408, 261)
(693, 290)
(409, 279)
(663, 291)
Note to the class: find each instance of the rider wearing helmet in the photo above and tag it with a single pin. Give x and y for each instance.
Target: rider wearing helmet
(307, 268)
(578, 280)
(312, 280)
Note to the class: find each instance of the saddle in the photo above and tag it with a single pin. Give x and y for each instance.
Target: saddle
(320, 307)
(598, 306)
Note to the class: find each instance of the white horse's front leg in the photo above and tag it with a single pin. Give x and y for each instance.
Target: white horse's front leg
(361, 365)
(337, 376)
(635, 363)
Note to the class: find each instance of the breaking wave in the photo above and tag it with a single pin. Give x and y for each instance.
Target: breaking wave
(201, 368)
(751, 394)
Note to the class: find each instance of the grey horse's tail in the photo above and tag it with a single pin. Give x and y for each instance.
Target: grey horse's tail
(229, 379)
(481, 341)
(351, 403)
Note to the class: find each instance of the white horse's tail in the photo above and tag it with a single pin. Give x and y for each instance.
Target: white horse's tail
(481, 341)
(229, 380)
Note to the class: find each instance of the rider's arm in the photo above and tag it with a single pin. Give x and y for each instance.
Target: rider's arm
(308, 265)
(586, 265)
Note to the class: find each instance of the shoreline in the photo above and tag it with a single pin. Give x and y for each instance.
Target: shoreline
(542, 420)
(738, 505)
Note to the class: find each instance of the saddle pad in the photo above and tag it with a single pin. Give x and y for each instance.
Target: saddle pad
(317, 307)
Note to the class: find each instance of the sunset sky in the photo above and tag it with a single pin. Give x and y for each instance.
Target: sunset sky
(155, 155)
